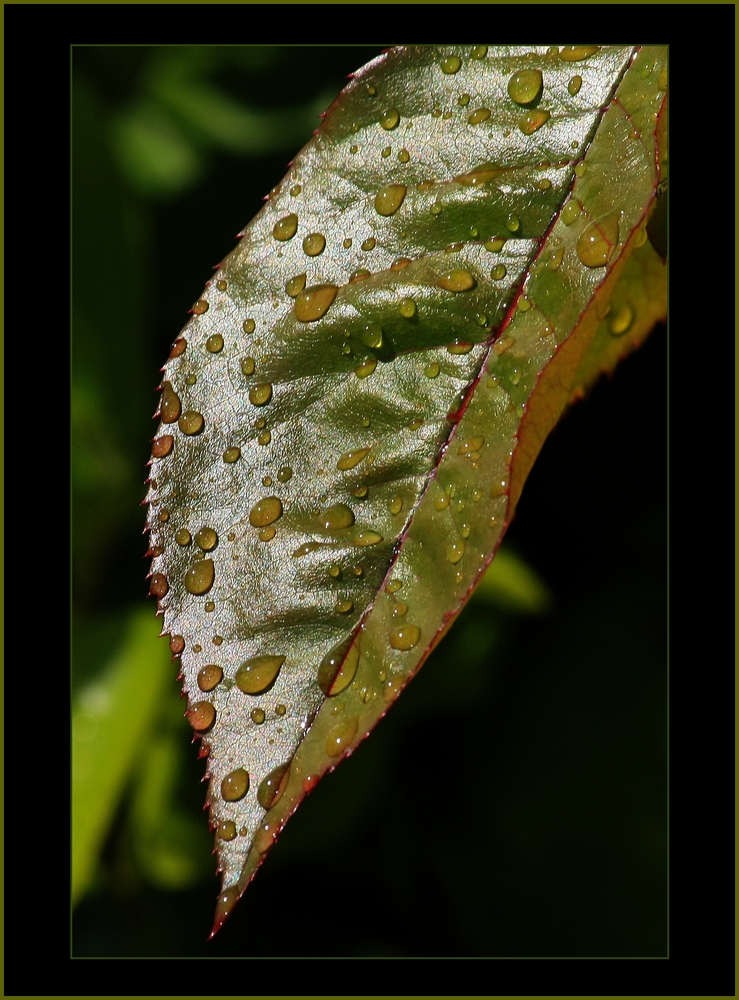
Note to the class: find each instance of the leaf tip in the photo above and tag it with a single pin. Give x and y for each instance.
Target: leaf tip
(224, 905)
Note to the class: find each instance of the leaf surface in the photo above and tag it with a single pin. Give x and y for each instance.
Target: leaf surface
(350, 414)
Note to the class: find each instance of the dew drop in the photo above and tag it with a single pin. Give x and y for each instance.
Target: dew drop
(525, 86)
(199, 578)
(502, 344)
(178, 347)
(177, 644)
(597, 243)
(314, 302)
(162, 446)
(361, 274)
(451, 64)
(209, 677)
(257, 715)
(396, 505)
(621, 319)
(286, 228)
(460, 347)
(533, 120)
(221, 285)
(390, 119)
(183, 537)
(260, 394)
(231, 455)
(571, 211)
(340, 737)
(455, 551)
(338, 667)
(201, 716)
(574, 85)
(478, 51)
(295, 286)
(284, 473)
(480, 175)
(336, 517)
(495, 244)
(264, 438)
(457, 281)
(432, 369)
(171, 406)
(371, 336)
(314, 244)
(369, 244)
(351, 459)
(207, 539)
(472, 444)
(158, 585)
(248, 326)
(265, 512)
(366, 537)
(235, 785)
(214, 343)
(389, 199)
(442, 502)
(404, 156)
(280, 709)
(576, 53)
(342, 607)
(227, 830)
(200, 307)
(191, 422)
(405, 637)
(400, 263)
(271, 788)
(306, 549)
(512, 223)
(400, 609)
(366, 369)
(258, 674)
(498, 272)
(296, 189)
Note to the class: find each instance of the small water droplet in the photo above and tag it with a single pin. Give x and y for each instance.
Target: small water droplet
(306, 549)
(451, 64)
(338, 667)
(201, 716)
(360, 490)
(343, 606)
(442, 502)
(248, 326)
(191, 422)
(266, 511)
(533, 120)
(214, 343)
(163, 515)
(472, 444)
(258, 674)
(621, 319)
(576, 53)
(200, 307)
(178, 347)
(390, 119)
(525, 86)
(400, 608)
(432, 369)
(512, 223)
(286, 228)
(231, 455)
(265, 836)
(389, 199)
(221, 285)
(502, 344)
(574, 85)
(235, 785)
(177, 644)
(350, 459)
(396, 505)
(314, 244)
(260, 394)
(340, 737)
(170, 406)
(264, 438)
(257, 715)
(523, 304)
(158, 585)
(463, 100)
(597, 243)
(295, 286)
(455, 551)
(404, 156)
(314, 302)
(271, 788)
(405, 637)
(366, 369)
(191, 379)
(479, 115)
(369, 244)
(457, 281)
(498, 272)
(284, 474)
(199, 578)
(571, 211)
(336, 517)
(209, 677)
(366, 537)
(280, 709)
(207, 539)
(354, 149)
(227, 830)
(499, 489)
(183, 537)
(393, 586)
(162, 446)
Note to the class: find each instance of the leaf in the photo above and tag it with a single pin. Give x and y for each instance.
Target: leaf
(350, 414)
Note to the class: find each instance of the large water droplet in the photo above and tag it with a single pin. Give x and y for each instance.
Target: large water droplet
(201, 716)
(621, 319)
(214, 344)
(199, 578)
(171, 406)
(478, 115)
(533, 120)
(314, 302)
(191, 422)
(451, 64)
(350, 459)
(455, 551)
(366, 369)
(390, 119)
(227, 830)
(389, 199)
(338, 667)
(258, 674)
(574, 85)
(478, 51)
(457, 281)
(200, 307)
(265, 512)
(405, 637)
(271, 788)
(231, 455)
(295, 286)
(260, 395)
(525, 86)
(336, 517)
(596, 244)
(235, 785)
(286, 228)
(209, 677)
(340, 737)
(207, 539)
(314, 244)
(162, 446)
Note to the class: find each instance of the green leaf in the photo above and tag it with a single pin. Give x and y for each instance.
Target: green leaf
(350, 415)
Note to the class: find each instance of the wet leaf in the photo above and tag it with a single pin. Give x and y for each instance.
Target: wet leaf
(350, 414)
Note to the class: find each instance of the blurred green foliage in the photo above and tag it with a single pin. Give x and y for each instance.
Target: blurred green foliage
(547, 732)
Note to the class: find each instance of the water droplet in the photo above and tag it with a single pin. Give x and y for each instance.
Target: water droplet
(231, 455)
(366, 538)
(235, 785)
(314, 302)
(463, 100)
(479, 115)
(170, 405)
(338, 667)
(571, 211)
(400, 609)
(472, 444)
(404, 156)
(280, 709)
(334, 571)
(432, 369)
(451, 64)
(360, 490)
(158, 585)
(641, 238)
(361, 274)
(495, 244)
(199, 578)
(386, 152)
(191, 379)
(523, 304)
(502, 344)
(457, 281)
(247, 366)
(264, 438)
(227, 830)
(314, 244)
(286, 228)
(176, 644)
(366, 369)
(178, 347)
(221, 285)
(248, 326)
(191, 422)
(340, 737)
(271, 788)
(266, 511)
(342, 607)
(295, 286)
(515, 376)
(183, 537)
(306, 549)
(498, 272)
(442, 502)
(260, 394)
(354, 149)
(576, 53)
(596, 244)
(396, 505)
(163, 515)
(389, 199)
(350, 459)
(200, 307)
(296, 189)
(214, 343)
(371, 336)
(258, 674)
(201, 716)
(574, 85)
(390, 119)
(209, 677)
(207, 539)
(525, 86)
(257, 715)
(512, 223)
(459, 347)
(621, 319)
(533, 120)
(336, 517)
(455, 551)
(478, 51)
(499, 489)
(162, 446)
(405, 637)
(369, 244)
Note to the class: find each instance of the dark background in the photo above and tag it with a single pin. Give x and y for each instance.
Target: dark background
(513, 803)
